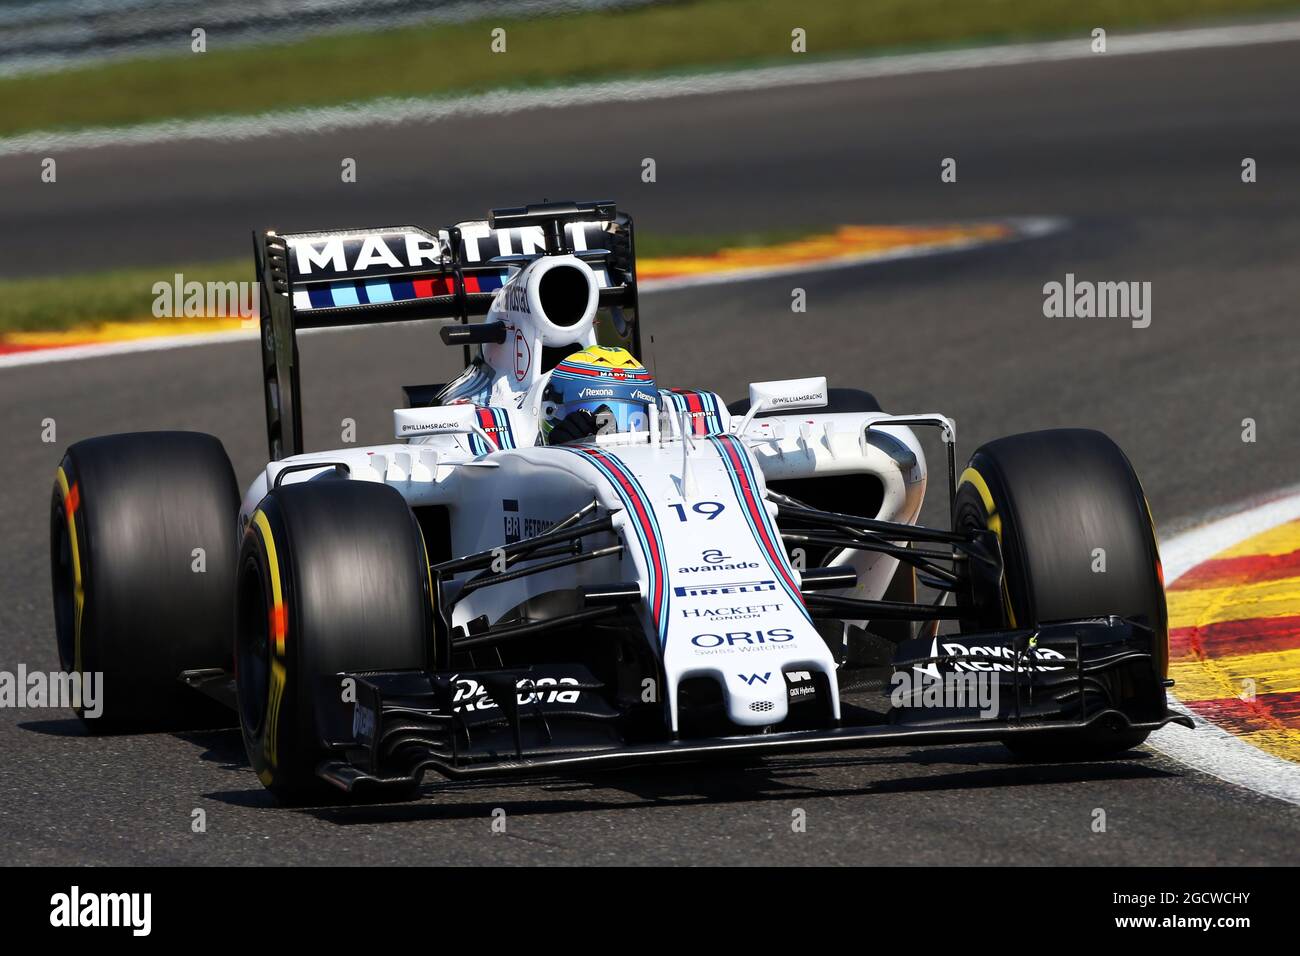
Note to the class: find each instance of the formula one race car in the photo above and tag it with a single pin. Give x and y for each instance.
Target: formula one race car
(559, 564)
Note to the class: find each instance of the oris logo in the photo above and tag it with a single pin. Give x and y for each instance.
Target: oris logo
(777, 635)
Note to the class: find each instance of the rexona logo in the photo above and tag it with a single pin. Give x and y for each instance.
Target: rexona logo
(471, 695)
(709, 590)
(595, 392)
(777, 635)
(1000, 658)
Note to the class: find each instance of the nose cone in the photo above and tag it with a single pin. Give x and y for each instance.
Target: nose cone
(755, 698)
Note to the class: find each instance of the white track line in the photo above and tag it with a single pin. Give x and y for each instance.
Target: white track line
(390, 111)
(1026, 227)
(1210, 748)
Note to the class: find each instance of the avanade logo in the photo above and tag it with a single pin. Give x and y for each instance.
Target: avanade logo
(76, 909)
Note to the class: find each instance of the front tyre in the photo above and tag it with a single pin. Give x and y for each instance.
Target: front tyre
(332, 577)
(1077, 542)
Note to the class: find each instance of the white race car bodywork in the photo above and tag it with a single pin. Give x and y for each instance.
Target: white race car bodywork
(720, 594)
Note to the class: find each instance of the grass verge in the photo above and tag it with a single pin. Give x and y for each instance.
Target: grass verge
(456, 58)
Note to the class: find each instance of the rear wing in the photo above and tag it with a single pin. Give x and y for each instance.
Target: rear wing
(311, 280)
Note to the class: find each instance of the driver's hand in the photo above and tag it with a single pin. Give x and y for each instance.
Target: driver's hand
(573, 427)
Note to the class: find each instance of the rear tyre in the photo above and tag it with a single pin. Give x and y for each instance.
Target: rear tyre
(1055, 497)
(332, 577)
(143, 540)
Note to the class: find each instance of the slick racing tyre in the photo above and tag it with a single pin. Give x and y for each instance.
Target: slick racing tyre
(332, 577)
(1053, 498)
(143, 541)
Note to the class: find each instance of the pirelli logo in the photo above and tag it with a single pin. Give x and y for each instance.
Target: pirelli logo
(710, 590)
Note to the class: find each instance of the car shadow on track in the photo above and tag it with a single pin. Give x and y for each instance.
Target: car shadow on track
(974, 768)
(63, 727)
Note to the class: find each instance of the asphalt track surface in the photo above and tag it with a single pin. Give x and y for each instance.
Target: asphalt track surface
(1142, 154)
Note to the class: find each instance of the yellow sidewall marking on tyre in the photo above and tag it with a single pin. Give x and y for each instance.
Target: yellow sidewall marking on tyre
(78, 590)
(277, 595)
(279, 626)
(973, 478)
(270, 743)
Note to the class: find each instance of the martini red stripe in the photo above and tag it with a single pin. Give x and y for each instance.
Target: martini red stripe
(487, 422)
(696, 407)
(631, 375)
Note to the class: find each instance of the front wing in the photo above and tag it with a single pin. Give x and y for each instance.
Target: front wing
(396, 726)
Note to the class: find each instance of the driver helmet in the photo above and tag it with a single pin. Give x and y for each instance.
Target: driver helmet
(605, 381)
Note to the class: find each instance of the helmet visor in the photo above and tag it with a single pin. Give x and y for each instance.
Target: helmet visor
(614, 416)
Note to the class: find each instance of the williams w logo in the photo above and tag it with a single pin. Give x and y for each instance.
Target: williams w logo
(752, 679)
